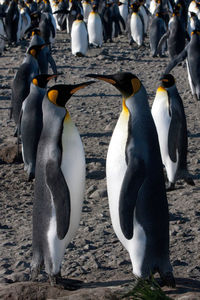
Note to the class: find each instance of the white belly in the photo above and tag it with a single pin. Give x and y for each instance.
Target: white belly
(73, 168)
(123, 10)
(115, 170)
(79, 38)
(162, 119)
(95, 31)
(136, 29)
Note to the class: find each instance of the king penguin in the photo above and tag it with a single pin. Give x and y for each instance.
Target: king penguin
(79, 37)
(87, 8)
(136, 25)
(13, 23)
(135, 182)
(156, 31)
(31, 122)
(191, 53)
(59, 183)
(22, 80)
(95, 29)
(44, 57)
(169, 117)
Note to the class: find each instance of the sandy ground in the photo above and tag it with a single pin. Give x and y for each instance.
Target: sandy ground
(95, 256)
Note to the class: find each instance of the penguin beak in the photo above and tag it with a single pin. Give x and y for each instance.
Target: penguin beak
(102, 77)
(76, 87)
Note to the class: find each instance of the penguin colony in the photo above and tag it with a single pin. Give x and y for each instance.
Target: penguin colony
(142, 140)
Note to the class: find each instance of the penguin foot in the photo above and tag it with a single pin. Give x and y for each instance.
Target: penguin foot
(79, 54)
(195, 97)
(34, 273)
(55, 280)
(189, 181)
(31, 176)
(170, 186)
(168, 280)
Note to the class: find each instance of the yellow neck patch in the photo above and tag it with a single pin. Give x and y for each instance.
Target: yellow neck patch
(67, 116)
(161, 89)
(124, 107)
(53, 96)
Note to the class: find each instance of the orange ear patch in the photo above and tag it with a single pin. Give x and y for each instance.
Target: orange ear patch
(33, 52)
(53, 96)
(136, 84)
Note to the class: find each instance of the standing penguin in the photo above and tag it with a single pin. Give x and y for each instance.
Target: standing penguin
(13, 23)
(156, 31)
(31, 122)
(44, 58)
(79, 37)
(123, 9)
(47, 26)
(192, 55)
(169, 117)
(95, 29)
(25, 20)
(22, 80)
(135, 182)
(136, 25)
(59, 183)
(175, 35)
(87, 8)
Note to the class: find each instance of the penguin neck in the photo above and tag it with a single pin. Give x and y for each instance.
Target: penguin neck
(138, 102)
(36, 88)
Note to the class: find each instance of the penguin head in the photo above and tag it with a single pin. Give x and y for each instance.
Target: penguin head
(79, 17)
(59, 94)
(135, 7)
(127, 83)
(41, 80)
(35, 50)
(176, 10)
(167, 81)
(94, 7)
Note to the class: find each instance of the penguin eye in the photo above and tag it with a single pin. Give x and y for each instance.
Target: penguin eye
(136, 84)
(35, 82)
(53, 95)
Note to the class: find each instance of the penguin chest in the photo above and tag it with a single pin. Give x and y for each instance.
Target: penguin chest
(79, 39)
(116, 167)
(95, 32)
(162, 120)
(86, 10)
(73, 169)
(137, 30)
(123, 10)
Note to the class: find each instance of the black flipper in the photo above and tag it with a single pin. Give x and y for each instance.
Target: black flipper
(52, 63)
(61, 197)
(174, 136)
(179, 58)
(132, 182)
(162, 41)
